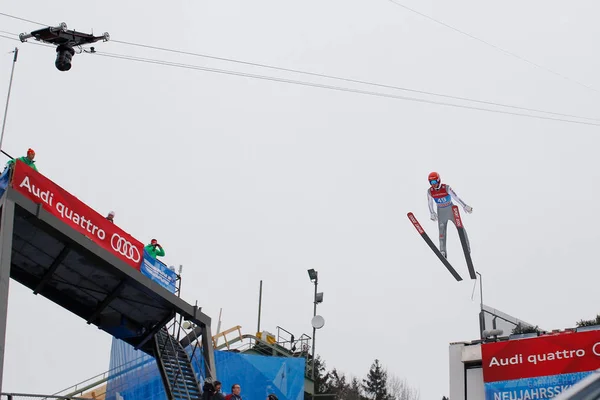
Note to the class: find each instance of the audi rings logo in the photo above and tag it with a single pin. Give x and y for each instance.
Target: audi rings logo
(125, 248)
(596, 349)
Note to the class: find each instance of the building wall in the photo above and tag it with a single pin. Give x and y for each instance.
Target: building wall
(466, 374)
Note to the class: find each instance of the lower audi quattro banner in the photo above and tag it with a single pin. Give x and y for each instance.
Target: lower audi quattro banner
(540, 367)
(73, 212)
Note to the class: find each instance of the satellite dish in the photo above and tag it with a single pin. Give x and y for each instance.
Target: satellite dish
(317, 322)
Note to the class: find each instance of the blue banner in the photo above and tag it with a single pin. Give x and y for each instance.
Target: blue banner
(4, 179)
(258, 376)
(158, 272)
(134, 375)
(543, 387)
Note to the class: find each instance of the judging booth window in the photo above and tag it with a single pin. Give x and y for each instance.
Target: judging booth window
(474, 387)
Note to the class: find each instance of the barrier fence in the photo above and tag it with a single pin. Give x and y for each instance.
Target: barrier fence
(31, 396)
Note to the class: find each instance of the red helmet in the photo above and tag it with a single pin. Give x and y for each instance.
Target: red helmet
(434, 176)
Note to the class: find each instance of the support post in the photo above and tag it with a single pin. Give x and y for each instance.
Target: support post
(313, 335)
(6, 233)
(48, 275)
(208, 353)
(107, 300)
(12, 73)
(259, 305)
(481, 313)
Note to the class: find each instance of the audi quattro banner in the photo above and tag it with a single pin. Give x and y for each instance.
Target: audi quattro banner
(540, 367)
(73, 212)
(158, 272)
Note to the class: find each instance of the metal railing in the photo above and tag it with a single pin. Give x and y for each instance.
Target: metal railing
(99, 379)
(177, 276)
(285, 339)
(175, 329)
(31, 396)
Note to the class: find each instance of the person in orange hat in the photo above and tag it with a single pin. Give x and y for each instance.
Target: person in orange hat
(28, 159)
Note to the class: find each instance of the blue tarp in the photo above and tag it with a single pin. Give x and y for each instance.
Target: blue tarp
(158, 272)
(4, 179)
(257, 375)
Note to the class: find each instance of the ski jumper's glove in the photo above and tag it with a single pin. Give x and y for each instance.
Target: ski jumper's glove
(433, 216)
(469, 209)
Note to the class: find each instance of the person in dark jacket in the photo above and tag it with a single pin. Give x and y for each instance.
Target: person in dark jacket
(208, 391)
(218, 395)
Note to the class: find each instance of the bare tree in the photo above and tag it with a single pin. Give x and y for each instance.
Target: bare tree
(399, 389)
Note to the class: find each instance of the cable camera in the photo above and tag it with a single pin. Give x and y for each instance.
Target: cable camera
(65, 41)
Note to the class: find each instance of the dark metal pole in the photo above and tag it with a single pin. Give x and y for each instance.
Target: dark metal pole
(208, 352)
(314, 330)
(12, 72)
(481, 314)
(480, 290)
(259, 306)
(179, 282)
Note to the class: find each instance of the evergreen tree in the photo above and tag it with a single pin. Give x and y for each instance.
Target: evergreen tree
(337, 384)
(375, 386)
(354, 390)
(321, 377)
(321, 384)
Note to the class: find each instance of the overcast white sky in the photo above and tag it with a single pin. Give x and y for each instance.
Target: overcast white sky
(242, 179)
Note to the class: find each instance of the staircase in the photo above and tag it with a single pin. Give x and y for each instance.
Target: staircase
(175, 368)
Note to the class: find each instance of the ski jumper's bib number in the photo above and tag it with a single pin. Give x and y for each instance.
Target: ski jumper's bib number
(441, 196)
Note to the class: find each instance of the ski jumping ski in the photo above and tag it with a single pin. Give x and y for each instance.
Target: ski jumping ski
(425, 237)
(463, 241)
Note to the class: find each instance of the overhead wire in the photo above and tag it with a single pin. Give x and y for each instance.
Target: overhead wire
(337, 88)
(6, 32)
(350, 80)
(437, 21)
(8, 37)
(330, 87)
(22, 19)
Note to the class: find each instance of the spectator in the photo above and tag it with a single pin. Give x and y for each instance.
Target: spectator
(235, 393)
(218, 395)
(28, 159)
(208, 391)
(154, 249)
(111, 216)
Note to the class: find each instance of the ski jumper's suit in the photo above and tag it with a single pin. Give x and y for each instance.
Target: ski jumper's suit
(443, 195)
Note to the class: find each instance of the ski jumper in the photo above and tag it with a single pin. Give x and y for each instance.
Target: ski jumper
(442, 196)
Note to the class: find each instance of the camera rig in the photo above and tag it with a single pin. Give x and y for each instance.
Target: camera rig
(65, 40)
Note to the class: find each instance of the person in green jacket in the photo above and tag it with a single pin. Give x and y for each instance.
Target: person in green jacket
(28, 159)
(154, 249)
